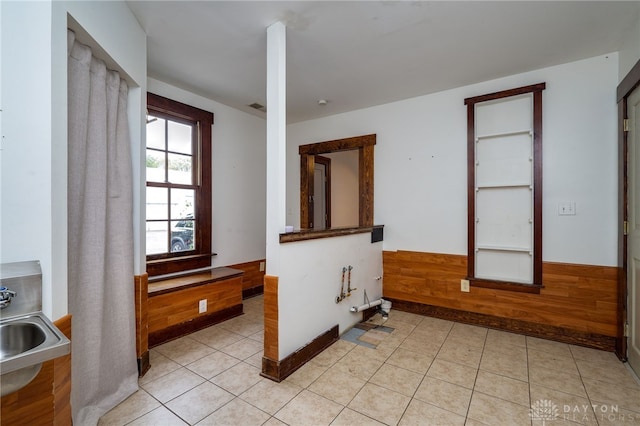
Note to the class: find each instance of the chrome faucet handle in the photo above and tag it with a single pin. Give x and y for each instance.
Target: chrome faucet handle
(6, 295)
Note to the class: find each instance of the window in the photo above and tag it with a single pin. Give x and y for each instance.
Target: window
(178, 169)
(504, 149)
(364, 145)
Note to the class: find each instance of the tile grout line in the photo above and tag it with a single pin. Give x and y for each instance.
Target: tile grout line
(485, 350)
(426, 372)
(204, 378)
(475, 380)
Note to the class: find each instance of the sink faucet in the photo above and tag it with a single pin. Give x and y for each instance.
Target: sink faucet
(5, 297)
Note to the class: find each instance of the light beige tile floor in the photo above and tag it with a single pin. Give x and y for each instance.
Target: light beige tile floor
(426, 372)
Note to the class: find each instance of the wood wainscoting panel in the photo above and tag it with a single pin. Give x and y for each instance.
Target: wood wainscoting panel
(33, 404)
(271, 350)
(580, 298)
(184, 328)
(543, 331)
(179, 307)
(182, 305)
(62, 379)
(141, 288)
(47, 399)
(253, 278)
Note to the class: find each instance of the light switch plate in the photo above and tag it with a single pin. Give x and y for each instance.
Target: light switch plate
(464, 286)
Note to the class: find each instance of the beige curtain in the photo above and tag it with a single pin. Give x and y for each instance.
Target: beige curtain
(100, 202)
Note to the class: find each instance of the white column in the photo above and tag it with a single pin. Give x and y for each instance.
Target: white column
(276, 142)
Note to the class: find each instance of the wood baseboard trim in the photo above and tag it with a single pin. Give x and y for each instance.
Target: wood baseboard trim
(280, 370)
(253, 291)
(143, 364)
(178, 330)
(270, 369)
(591, 340)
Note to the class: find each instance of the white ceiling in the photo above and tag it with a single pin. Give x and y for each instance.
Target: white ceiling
(357, 54)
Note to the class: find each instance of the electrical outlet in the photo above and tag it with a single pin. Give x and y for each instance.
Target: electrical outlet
(567, 208)
(464, 286)
(202, 306)
(261, 266)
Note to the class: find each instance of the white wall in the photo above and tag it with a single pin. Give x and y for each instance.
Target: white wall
(239, 169)
(34, 98)
(420, 162)
(26, 166)
(630, 51)
(18, 202)
(310, 280)
(344, 188)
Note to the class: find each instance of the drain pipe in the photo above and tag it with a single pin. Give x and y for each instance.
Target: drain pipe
(385, 306)
(356, 309)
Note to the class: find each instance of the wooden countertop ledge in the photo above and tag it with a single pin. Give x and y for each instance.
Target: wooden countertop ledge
(162, 285)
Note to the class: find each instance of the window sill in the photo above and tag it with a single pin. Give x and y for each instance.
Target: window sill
(312, 234)
(505, 285)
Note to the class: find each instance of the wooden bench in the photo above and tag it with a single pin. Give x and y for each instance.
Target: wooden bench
(173, 303)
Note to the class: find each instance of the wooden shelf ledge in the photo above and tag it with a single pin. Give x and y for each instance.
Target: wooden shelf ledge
(162, 285)
(312, 234)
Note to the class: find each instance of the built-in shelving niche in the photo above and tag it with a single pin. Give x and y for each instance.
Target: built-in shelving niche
(502, 200)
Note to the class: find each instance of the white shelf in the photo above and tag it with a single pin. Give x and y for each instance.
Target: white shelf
(504, 185)
(505, 134)
(504, 248)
